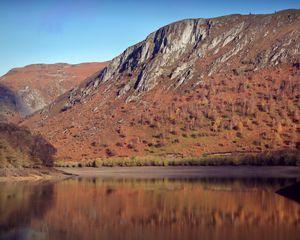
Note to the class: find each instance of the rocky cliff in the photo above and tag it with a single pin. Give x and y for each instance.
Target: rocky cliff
(194, 49)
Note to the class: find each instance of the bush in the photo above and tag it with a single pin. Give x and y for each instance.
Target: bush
(110, 152)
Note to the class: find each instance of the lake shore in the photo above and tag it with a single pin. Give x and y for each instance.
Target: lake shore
(150, 172)
(186, 172)
(31, 174)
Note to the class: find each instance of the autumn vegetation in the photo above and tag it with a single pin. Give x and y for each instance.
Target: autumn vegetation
(20, 148)
(248, 115)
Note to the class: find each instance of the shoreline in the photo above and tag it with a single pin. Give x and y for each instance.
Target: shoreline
(150, 172)
(31, 174)
(186, 172)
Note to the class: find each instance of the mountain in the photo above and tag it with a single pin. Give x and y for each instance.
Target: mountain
(20, 148)
(30, 88)
(194, 87)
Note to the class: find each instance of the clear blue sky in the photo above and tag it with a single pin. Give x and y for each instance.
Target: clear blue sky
(74, 31)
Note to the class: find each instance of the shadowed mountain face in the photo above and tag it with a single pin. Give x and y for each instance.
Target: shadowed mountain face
(28, 89)
(192, 87)
(8, 103)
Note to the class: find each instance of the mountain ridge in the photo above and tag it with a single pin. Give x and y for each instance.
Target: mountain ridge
(122, 62)
(192, 87)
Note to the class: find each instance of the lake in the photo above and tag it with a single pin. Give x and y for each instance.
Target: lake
(206, 206)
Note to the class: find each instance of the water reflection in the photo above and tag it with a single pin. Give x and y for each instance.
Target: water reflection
(19, 204)
(91, 208)
(291, 192)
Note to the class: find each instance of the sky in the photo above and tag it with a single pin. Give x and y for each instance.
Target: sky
(75, 31)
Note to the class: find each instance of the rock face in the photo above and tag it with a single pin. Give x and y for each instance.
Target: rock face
(195, 86)
(208, 46)
(26, 90)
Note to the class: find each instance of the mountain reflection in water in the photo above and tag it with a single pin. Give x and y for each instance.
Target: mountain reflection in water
(92, 208)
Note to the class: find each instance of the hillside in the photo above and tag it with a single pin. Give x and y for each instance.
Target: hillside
(30, 88)
(192, 88)
(20, 148)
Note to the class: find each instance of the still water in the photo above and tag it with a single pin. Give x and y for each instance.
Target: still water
(95, 208)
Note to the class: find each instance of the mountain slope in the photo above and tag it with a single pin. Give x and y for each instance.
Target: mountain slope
(228, 84)
(28, 89)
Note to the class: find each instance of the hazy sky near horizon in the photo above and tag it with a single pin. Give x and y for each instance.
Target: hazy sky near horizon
(74, 31)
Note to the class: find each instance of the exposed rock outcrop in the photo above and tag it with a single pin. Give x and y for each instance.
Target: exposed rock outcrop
(209, 46)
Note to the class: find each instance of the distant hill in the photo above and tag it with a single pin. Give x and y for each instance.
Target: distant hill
(28, 89)
(192, 88)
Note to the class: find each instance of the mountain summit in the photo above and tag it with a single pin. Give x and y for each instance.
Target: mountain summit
(206, 46)
(227, 84)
